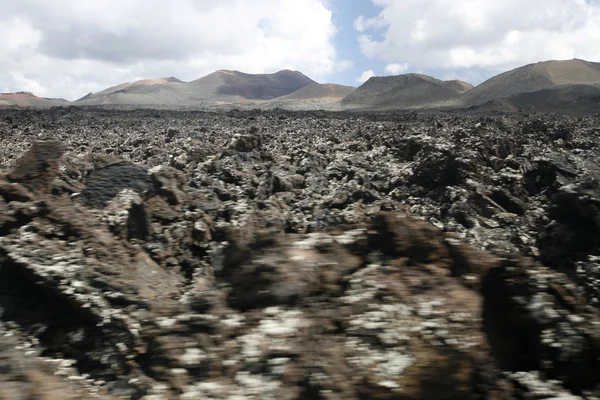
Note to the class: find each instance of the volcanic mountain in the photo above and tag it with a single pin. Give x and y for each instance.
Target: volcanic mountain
(220, 86)
(235, 85)
(569, 86)
(142, 92)
(404, 91)
(320, 91)
(548, 76)
(27, 99)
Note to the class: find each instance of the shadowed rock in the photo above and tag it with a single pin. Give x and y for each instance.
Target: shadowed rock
(108, 179)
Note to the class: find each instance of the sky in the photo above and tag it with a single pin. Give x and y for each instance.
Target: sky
(68, 48)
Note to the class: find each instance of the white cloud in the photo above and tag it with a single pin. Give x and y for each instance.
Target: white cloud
(66, 48)
(480, 33)
(359, 24)
(365, 76)
(362, 24)
(396, 69)
(344, 65)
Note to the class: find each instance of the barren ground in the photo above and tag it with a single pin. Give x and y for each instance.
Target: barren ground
(274, 255)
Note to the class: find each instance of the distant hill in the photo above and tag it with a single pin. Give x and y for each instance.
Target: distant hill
(552, 86)
(555, 86)
(404, 91)
(320, 91)
(220, 86)
(533, 78)
(143, 92)
(235, 85)
(131, 87)
(315, 96)
(26, 99)
(572, 99)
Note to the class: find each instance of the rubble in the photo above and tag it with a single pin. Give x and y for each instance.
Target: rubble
(161, 255)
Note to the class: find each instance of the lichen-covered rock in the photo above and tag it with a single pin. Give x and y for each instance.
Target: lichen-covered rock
(26, 377)
(537, 320)
(298, 255)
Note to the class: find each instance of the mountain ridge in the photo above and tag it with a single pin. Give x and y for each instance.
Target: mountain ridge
(218, 86)
(532, 78)
(405, 91)
(548, 85)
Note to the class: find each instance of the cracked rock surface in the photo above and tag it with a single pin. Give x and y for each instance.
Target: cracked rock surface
(277, 255)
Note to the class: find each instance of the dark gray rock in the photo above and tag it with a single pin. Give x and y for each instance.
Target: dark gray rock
(107, 180)
(263, 254)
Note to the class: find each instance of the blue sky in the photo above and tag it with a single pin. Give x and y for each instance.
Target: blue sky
(345, 12)
(471, 40)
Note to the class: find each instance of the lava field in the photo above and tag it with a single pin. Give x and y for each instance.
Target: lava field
(152, 254)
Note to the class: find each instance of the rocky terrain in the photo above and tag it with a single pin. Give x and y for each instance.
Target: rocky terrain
(273, 255)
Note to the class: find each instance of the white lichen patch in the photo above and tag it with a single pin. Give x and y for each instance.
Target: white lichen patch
(313, 240)
(273, 334)
(350, 237)
(384, 324)
(192, 357)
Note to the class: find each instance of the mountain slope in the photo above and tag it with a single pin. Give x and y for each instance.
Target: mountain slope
(235, 85)
(571, 99)
(25, 99)
(533, 78)
(320, 91)
(404, 91)
(135, 86)
(220, 86)
(147, 91)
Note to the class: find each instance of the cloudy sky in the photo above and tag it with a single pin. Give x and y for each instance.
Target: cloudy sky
(67, 48)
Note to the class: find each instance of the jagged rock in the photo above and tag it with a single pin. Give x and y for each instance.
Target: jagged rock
(548, 175)
(27, 378)
(575, 230)
(286, 259)
(247, 143)
(166, 197)
(110, 177)
(127, 216)
(537, 320)
(39, 166)
(395, 338)
(439, 167)
(103, 287)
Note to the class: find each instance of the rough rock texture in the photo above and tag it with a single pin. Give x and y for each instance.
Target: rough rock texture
(38, 167)
(283, 256)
